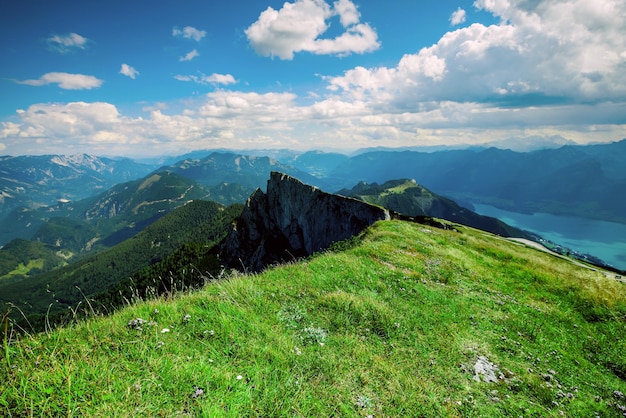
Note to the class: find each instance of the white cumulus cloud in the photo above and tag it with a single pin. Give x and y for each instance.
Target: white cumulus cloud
(547, 69)
(65, 81)
(129, 71)
(189, 32)
(348, 12)
(298, 26)
(215, 79)
(541, 52)
(67, 43)
(458, 17)
(189, 56)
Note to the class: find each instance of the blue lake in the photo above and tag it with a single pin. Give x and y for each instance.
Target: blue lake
(605, 240)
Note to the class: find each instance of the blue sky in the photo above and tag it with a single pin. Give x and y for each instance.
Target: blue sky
(145, 78)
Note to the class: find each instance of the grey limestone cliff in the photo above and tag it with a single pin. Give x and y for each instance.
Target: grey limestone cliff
(292, 220)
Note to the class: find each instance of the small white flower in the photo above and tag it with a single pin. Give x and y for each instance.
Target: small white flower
(239, 377)
(164, 330)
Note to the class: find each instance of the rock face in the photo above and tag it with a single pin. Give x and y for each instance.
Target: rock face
(292, 220)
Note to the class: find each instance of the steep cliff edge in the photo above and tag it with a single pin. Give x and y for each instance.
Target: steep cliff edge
(292, 220)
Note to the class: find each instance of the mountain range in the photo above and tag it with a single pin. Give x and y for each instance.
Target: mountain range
(106, 218)
(89, 248)
(586, 181)
(159, 226)
(391, 297)
(35, 181)
(63, 202)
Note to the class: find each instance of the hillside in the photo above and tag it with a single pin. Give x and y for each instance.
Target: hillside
(406, 320)
(105, 219)
(412, 199)
(102, 280)
(20, 257)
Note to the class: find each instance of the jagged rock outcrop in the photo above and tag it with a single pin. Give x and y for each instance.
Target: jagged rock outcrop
(292, 220)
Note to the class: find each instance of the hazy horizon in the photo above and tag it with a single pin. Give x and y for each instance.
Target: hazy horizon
(272, 152)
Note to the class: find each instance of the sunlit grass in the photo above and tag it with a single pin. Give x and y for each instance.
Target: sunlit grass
(23, 269)
(391, 325)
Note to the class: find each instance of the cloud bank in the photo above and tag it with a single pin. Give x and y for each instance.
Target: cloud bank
(541, 53)
(547, 69)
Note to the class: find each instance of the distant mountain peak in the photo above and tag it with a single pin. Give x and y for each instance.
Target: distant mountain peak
(87, 161)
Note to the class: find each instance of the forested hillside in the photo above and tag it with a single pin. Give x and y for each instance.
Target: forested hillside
(21, 257)
(107, 218)
(52, 296)
(409, 198)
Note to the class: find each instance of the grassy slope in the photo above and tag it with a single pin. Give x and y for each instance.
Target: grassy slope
(391, 325)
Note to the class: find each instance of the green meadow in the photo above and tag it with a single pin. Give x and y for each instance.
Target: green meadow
(404, 320)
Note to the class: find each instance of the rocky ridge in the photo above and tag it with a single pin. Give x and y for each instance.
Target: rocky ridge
(292, 220)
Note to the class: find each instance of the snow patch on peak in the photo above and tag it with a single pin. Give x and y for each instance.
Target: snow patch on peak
(79, 161)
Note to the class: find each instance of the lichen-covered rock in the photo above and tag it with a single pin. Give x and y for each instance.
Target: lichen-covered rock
(292, 220)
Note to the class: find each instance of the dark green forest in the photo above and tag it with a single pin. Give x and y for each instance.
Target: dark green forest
(20, 251)
(171, 250)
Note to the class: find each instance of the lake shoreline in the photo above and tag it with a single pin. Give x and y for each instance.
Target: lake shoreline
(603, 240)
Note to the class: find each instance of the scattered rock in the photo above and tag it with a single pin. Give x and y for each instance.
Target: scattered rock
(485, 370)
